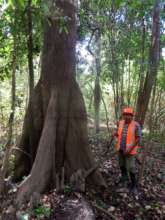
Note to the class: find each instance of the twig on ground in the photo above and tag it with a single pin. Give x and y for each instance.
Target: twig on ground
(104, 211)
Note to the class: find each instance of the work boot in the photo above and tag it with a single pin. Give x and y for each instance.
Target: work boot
(124, 177)
(134, 185)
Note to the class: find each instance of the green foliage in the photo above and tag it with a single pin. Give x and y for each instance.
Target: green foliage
(101, 204)
(67, 189)
(63, 25)
(17, 3)
(42, 211)
(161, 76)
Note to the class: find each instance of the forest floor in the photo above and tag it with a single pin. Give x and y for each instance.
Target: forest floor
(115, 203)
(150, 202)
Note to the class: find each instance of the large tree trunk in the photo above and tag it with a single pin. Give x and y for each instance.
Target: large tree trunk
(60, 122)
(28, 144)
(144, 96)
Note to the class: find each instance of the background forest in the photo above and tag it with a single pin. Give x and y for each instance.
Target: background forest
(113, 58)
(120, 61)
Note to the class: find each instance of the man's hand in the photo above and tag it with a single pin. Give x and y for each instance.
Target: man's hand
(130, 148)
(126, 152)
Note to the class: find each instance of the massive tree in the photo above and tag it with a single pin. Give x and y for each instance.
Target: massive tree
(59, 136)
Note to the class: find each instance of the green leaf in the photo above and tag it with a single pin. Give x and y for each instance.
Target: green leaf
(118, 3)
(34, 2)
(11, 3)
(42, 211)
(65, 30)
(17, 3)
(67, 189)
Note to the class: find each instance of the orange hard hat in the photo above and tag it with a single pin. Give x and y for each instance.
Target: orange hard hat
(128, 111)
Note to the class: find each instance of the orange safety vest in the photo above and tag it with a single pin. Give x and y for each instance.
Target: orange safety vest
(131, 136)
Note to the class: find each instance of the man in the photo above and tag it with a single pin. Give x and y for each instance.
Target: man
(128, 140)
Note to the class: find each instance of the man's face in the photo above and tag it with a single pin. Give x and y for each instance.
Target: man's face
(128, 118)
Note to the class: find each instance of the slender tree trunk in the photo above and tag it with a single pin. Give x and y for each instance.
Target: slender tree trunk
(143, 99)
(31, 77)
(136, 85)
(122, 87)
(142, 168)
(62, 124)
(4, 168)
(152, 110)
(142, 66)
(112, 59)
(13, 95)
(114, 62)
(30, 48)
(156, 107)
(90, 102)
(106, 114)
(97, 89)
(142, 104)
(115, 78)
(129, 83)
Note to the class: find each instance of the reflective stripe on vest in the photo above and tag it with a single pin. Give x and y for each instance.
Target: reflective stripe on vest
(131, 137)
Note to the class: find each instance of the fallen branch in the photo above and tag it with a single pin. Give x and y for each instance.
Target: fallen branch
(104, 211)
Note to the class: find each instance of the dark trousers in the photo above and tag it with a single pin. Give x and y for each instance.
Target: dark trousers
(127, 167)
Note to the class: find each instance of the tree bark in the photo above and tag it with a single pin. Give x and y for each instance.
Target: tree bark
(143, 99)
(142, 69)
(97, 89)
(106, 114)
(114, 62)
(13, 95)
(122, 88)
(31, 73)
(152, 109)
(129, 83)
(61, 126)
(29, 139)
(33, 118)
(30, 48)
